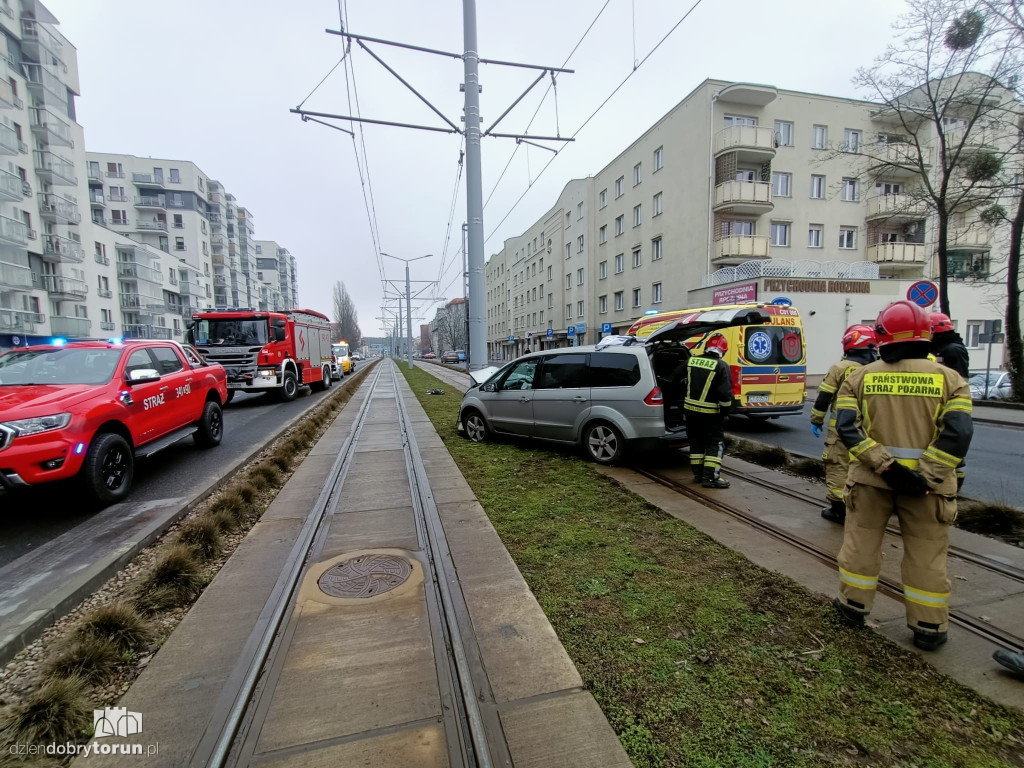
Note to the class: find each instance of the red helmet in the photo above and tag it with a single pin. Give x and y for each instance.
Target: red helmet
(902, 321)
(717, 343)
(858, 337)
(940, 322)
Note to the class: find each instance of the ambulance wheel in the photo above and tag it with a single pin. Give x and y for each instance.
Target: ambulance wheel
(289, 387)
(108, 468)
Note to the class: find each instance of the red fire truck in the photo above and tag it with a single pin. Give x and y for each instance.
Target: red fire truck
(266, 350)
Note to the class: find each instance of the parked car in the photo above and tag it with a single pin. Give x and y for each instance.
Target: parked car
(450, 357)
(620, 396)
(462, 355)
(429, 356)
(89, 409)
(999, 385)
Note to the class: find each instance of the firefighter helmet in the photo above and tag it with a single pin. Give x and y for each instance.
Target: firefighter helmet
(941, 322)
(902, 321)
(858, 337)
(717, 344)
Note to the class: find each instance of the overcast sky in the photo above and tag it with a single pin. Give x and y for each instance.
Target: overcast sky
(212, 81)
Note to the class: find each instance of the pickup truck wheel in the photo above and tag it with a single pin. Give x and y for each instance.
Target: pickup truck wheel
(230, 397)
(289, 387)
(108, 468)
(210, 426)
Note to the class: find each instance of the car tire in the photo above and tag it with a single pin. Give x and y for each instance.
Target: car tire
(210, 427)
(328, 381)
(603, 443)
(289, 387)
(324, 383)
(230, 397)
(474, 426)
(108, 469)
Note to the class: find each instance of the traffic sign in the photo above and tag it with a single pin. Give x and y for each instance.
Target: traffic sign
(551, 333)
(581, 328)
(511, 338)
(782, 301)
(924, 293)
(606, 327)
(529, 334)
(571, 331)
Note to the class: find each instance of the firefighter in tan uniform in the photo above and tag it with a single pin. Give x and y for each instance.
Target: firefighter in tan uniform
(858, 349)
(708, 398)
(907, 423)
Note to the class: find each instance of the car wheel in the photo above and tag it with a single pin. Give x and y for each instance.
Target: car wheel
(474, 426)
(328, 380)
(603, 442)
(210, 427)
(289, 387)
(324, 383)
(108, 469)
(230, 397)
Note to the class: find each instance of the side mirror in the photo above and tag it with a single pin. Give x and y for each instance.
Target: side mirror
(488, 387)
(279, 333)
(143, 376)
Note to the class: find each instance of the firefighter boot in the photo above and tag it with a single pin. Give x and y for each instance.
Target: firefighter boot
(836, 512)
(712, 479)
(929, 641)
(849, 616)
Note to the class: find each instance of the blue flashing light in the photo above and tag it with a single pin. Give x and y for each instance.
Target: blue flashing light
(79, 448)
(116, 340)
(650, 312)
(58, 342)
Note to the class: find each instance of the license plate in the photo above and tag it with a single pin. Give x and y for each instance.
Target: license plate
(758, 398)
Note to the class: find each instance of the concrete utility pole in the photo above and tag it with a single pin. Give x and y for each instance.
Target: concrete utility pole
(465, 293)
(474, 192)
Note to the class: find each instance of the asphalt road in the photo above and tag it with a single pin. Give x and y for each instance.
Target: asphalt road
(33, 516)
(994, 463)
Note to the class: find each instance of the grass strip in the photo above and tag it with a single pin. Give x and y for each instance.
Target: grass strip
(697, 656)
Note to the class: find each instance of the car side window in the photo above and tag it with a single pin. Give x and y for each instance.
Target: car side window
(608, 369)
(167, 360)
(139, 360)
(521, 375)
(563, 371)
(193, 357)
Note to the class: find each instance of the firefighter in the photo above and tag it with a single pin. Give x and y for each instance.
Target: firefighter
(907, 423)
(707, 401)
(948, 346)
(858, 349)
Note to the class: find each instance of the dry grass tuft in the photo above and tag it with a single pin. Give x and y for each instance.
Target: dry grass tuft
(997, 520)
(117, 622)
(89, 657)
(172, 581)
(814, 468)
(202, 535)
(56, 712)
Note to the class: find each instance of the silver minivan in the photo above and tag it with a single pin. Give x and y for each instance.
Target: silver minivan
(617, 396)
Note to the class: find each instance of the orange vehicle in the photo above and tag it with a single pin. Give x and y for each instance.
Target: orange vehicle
(768, 363)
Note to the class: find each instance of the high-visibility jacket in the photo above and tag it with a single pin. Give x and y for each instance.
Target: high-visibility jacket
(828, 389)
(912, 411)
(708, 386)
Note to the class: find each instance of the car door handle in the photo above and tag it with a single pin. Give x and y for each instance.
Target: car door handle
(163, 388)
(525, 399)
(188, 380)
(579, 399)
(783, 378)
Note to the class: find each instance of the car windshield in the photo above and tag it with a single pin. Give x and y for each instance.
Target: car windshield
(340, 350)
(58, 366)
(231, 332)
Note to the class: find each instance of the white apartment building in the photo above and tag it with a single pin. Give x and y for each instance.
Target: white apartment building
(270, 274)
(740, 191)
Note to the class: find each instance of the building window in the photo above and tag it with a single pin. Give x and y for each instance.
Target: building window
(620, 185)
(814, 236)
(656, 293)
(847, 238)
(817, 187)
(851, 141)
(602, 270)
(637, 258)
(178, 221)
(568, 311)
(658, 158)
(820, 137)
(602, 234)
(568, 250)
(636, 174)
(602, 304)
(849, 190)
(656, 249)
(619, 263)
(119, 217)
(618, 300)
(636, 216)
(780, 233)
(579, 276)
(202, 225)
(636, 297)
(568, 281)
(176, 200)
(603, 198)
(972, 338)
(620, 225)
(551, 300)
(782, 184)
(579, 210)
(579, 309)
(175, 176)
(549, 273)
(579, 244)
(656, 202)
(784, 133)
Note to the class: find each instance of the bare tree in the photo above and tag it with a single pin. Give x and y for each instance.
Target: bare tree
(346, 319)
(450, 323)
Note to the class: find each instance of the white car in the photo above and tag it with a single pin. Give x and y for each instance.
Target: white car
(999, 386)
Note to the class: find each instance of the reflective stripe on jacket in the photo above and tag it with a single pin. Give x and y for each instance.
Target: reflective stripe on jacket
(828, 388)
(708, 387)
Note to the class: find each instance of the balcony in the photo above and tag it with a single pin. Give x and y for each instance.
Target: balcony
(147, 179)
(37, 40)
(106, 325)
(104, 293)
(133, 331)
(749, 142)
(62, 287)
(43, 82)
(119, 222)
(142, 306)
(13, 232)
(6, 94)
(977, 140)
(134, 271)
(101, 258)
(56, 248)
(55, 169)
(50, 128)
(898, 255)
(151, 226)
(117, 197)
(897, 160)
(69, 326)
(12, 188)
(59, 209)
(975, 238)
(19, 321)
(145, 201)
(15, 276)
(9, 141)
(99, 219)
(95, 175)
(750, 197)
(896, 208)
(736, 249)
(186, 288)
(96, 197)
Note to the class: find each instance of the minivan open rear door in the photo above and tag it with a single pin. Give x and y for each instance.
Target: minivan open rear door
(699, 324)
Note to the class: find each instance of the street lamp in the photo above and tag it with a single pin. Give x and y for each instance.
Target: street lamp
(408, 300)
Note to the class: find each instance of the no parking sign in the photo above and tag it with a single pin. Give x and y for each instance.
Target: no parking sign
(924, 293)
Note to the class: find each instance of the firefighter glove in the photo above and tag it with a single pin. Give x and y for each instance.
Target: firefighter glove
(906, 481)
(816, 429)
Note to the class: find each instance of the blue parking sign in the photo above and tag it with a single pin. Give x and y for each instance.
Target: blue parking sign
(511, 338)
(571, 331)
(551, 333)
(606, 327)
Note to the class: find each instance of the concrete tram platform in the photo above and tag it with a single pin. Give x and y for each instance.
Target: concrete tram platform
(359, 682)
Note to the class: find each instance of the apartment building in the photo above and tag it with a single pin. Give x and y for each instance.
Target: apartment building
(268, 275)
(744, 191)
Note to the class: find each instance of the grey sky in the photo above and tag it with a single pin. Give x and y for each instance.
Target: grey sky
(212, 81)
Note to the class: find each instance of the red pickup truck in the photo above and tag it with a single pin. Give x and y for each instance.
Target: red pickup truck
(90, 408)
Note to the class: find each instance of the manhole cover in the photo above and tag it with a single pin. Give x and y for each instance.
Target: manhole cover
(365, 576)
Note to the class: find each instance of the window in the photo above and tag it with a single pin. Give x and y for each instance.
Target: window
(178, 221)
(782, 184)
(780, 233)
(817, 187)
(579, 309)
(636, 297)
(851, 141)
(551, 300)
(659, 158)
(579, 210)
(167, 360)
(619, 263)
(972, 338)
(620, 184)
(618, 300)
(608, 369)
(636, 174)
(175, 176)
(579, 276)
(849, 190)
(568, 311)
(579, 244)
(568, 281)
(602, 304)
(115, 170)
(656, 204)
(620, 226)
(549, 273)
(820, 137)
(656, 249)
(176, 200)
(731, 120)
(564, 371)
(119, 217)
(637, 258)
(602, 234)
(737, 229)
(656, 293)
(602, 270)
(568, 250)
(886, 188)
(814, 236)
(784, 133)
(521, 376)
(172, 276)
(847, 237)
(636, 216)
(603, 198)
